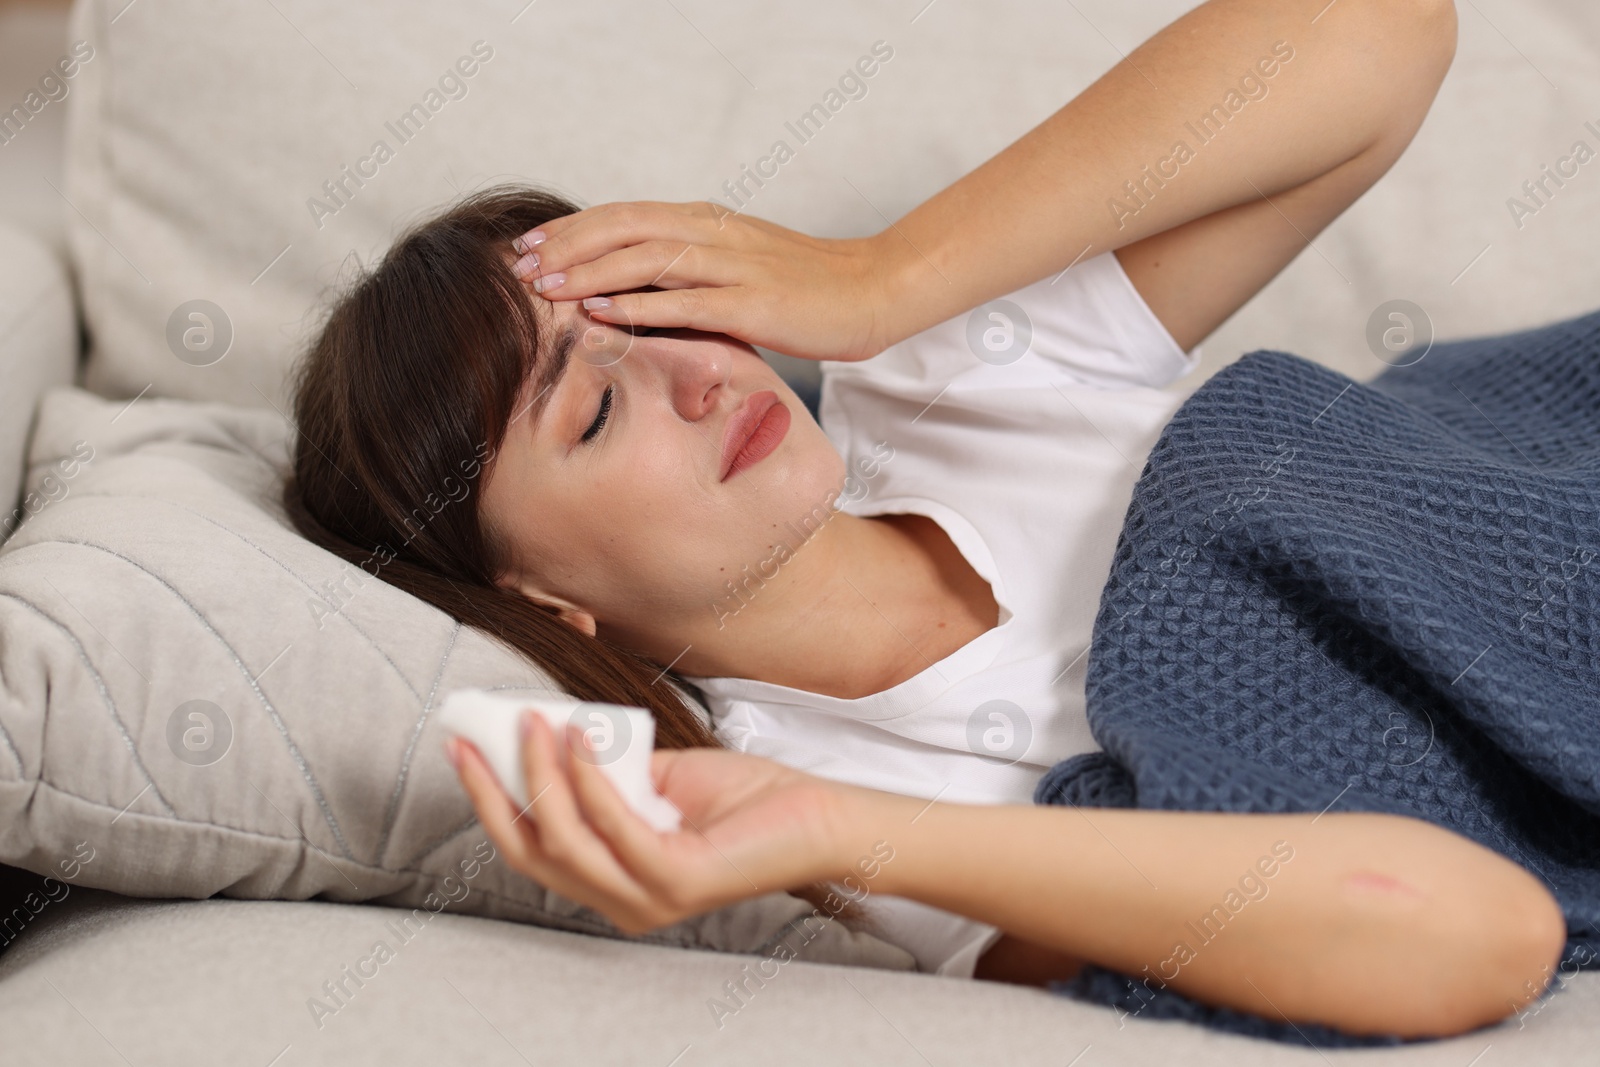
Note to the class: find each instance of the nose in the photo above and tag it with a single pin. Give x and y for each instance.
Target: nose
(696, 367)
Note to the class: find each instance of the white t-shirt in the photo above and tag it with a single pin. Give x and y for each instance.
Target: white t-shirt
(1027, 458)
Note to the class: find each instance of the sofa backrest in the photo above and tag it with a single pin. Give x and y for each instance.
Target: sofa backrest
(249, 155)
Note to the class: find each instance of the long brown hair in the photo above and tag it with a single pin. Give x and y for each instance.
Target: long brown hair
(399, 404)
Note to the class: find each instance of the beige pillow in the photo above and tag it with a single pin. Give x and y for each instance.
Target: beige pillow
(209, 704)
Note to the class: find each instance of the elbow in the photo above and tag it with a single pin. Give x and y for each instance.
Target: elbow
(1520, 957)
(1499, 953)
(1408, 38)
(1431, 27)
(1408, 48)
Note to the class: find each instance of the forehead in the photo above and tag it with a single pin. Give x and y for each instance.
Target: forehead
(559, 328)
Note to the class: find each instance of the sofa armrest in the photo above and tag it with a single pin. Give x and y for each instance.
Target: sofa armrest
(39, 348)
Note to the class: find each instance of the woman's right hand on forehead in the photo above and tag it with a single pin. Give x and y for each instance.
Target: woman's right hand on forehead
(714, 270)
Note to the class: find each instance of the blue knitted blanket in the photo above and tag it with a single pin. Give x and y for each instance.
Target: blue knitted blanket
(1331, 595)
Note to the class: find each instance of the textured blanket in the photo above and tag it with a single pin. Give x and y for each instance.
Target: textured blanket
(1339, 596)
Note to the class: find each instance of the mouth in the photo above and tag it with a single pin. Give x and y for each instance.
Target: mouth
(754, 430)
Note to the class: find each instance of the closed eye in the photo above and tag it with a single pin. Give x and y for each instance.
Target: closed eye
(600, 418)
(604, 414)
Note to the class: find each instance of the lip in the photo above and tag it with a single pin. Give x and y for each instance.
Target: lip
(754, 430)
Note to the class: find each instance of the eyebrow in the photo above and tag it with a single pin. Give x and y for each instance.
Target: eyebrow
(548, 372)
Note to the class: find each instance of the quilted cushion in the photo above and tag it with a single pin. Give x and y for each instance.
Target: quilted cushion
(209, 704)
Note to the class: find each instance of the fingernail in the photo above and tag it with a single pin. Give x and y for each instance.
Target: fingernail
(549, 282)
(533, 240)
(596, 303)
(452, 752)
(525, 266)
(526, 726)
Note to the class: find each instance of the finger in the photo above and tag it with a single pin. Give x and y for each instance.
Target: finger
(690, 877)
(718, 310)
(629, 836)
(565, 223)
(665, 264)
(610, 227)
(514, 836)
(497, 812)
(545, 772)
(565, 839)
(531, 239)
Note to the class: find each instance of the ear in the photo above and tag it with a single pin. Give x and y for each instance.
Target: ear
(566, 610)
(576, 618)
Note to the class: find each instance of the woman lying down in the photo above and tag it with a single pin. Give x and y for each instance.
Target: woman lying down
(888, 613)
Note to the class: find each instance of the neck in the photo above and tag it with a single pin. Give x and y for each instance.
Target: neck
(859, 607)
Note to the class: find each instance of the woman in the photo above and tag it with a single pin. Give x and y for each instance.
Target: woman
(651, 498)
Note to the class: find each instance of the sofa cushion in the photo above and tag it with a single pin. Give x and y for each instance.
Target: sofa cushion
(209, 143)
(210, 704)
(231, 153)
(38, 349)
(240, 982)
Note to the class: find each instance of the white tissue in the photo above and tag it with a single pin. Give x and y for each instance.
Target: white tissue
(623, 739)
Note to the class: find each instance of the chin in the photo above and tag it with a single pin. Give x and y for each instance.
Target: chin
(817, 482)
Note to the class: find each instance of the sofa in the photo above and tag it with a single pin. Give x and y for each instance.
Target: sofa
(227, 830)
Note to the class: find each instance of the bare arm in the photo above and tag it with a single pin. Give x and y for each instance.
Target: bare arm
(1268, 162)
(1371, 923)
(1244, 194)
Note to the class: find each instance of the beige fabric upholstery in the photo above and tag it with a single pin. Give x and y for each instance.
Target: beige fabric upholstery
(228, 982)
(38, 349)
(201, 134)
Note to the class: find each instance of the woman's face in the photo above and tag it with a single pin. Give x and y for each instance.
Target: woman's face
(608, 491)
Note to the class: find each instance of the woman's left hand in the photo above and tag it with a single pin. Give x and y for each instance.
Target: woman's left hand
(751, 827)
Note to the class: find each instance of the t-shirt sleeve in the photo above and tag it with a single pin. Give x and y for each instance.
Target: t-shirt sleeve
(1087, 326)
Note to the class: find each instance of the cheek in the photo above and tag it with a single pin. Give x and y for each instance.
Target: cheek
(627, 519)
(656, 528)
(802, 480)
(696, 523)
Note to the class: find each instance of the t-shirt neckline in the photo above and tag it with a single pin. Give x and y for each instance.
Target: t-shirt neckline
(924, 686)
